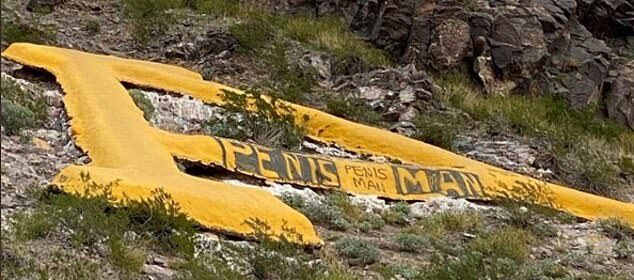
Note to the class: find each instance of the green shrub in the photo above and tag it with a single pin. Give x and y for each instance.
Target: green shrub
(440, 224)
(335, 212)
(411, 242)
(323, 212)
(471, 266)
(253, 33)
(143, 103)
(398, 214)
(617, 229)
(508, 242)
(92, 27)
(370, 222)
(16, 117)
(332, 35)
(354, 109)
(20, 109)
(287, 80)
(18, 32)
(329, 216)
(357, 250)
(33, 226)
(624, 249)
(440, 131)
(399, 271)
(526, 216)
(149, 17)
(270, 259)
(250, 116)
(545, 269)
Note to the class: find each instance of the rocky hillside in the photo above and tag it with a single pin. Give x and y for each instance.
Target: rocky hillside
(542, 88)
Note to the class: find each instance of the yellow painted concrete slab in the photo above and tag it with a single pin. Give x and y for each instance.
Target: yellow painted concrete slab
(123, 146)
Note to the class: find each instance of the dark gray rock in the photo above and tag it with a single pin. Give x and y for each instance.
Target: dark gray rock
(451, 43)
(550, 46)
(620, 93)
(578, 66)
(607, 18)
(45, 6)
(209, 44)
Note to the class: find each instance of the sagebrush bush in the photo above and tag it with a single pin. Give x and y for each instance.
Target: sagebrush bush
(20, 109)
(616, 228)
(149, 17)
(354, 109)
(397, 214)
(357, 250)
(251, 116)
(332, 34)
(438, 130)
(410, 242)
(19, 32)
(508, 243)
(143, 103)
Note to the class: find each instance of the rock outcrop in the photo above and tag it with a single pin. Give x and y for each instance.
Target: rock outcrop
(581, 50)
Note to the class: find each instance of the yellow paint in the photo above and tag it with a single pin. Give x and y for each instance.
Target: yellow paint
(124, 148)
(107, 125)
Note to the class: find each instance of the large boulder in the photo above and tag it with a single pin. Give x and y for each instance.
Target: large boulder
(577, 67)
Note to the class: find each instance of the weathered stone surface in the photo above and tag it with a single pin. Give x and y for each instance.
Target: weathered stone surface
(607, 18)
(212, 43)
(577, 67)
(620, 94)
(451, 43)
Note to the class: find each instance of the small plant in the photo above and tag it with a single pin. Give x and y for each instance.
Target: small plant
(546, 269)
(358, 251)
(370, 222)
(33, 226)
(218, 7)
(438, 130)
(526, 216)
(254, 33)
(335, 212)
(411, 242)
(143, 103)
(20, 109)
(266, 121)
(18, 32)
(92, 27)
(398, 214)
(400, 271)
(354, 109)
(508, 242)
(149, 17)
(624, 249)
(617, 229)
(323, 212)
(440, 224)
(332, 35)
